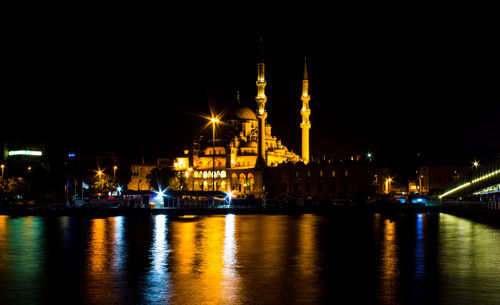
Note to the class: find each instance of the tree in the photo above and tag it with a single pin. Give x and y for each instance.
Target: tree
(103, 184)
(12, 188)
(178, 183)
(159, 178)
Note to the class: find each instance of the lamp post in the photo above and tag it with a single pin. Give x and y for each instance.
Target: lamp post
(214, 121)
(2, 166)
(114, 173)
(388, 184)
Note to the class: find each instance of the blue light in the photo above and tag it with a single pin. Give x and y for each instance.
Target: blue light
(418, 200)
(71, 155)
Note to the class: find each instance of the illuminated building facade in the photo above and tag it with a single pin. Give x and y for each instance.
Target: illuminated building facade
(235, 160)
(236, 154)
(305, 112)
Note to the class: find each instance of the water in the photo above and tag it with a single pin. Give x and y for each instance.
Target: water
(249, 259)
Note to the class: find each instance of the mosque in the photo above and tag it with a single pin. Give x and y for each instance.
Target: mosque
(243, 157)
(235, 160)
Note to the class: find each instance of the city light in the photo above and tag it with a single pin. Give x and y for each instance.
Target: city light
(160, 193)
(25, 153)
(229, 196)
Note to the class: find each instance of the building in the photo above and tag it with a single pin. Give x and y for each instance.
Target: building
(320, 180)
(235, 160)
(243, 157)
(139, 172)
(24, 157)
(432, 179)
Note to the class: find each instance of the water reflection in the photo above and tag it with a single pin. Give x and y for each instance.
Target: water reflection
(419, 255)
(469, 261)
(389, 269)
(22, 258)
(246, 259)
(99, 262)
(157, 284)
(230, 264)
(105, 264)
(197, 260)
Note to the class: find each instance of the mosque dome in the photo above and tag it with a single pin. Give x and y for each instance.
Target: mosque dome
(245, 113)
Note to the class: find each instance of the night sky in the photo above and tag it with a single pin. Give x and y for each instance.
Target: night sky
(392, 86)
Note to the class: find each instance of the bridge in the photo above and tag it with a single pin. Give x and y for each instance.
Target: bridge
(483, 181)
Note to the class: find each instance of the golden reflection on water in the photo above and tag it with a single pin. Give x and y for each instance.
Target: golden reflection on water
(4, 242)
(197, 261)
(389, 270)
(99, 261)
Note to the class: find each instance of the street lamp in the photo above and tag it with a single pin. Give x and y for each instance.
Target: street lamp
(2, 166)
(214, 121)
(388, 184)
(114, 172)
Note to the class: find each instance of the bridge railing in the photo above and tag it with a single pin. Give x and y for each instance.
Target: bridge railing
(472, 205)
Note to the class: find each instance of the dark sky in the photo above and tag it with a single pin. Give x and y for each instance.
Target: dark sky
(391, 85)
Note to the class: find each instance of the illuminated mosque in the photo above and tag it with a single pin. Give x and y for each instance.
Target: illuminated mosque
(235, 160)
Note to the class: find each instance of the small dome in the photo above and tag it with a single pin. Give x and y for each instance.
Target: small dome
(245, 113)
(251, 144)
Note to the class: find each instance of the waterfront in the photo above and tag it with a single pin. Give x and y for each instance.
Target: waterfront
(345, 258)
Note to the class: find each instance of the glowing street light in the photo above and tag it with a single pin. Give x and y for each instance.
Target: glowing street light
(475, 164)
(114, 172)
(369, 155)
(388, 184)
(214, 121)
(3, 167)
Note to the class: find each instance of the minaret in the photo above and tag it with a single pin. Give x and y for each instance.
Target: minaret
(261, 100)
(305, 112)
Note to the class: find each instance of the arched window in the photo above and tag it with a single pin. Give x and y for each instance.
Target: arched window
(195, 174)
(205, 185)
(241, 182)
(196, 186)
(223, 185)
(205, 175)
(321, 173)
(251, 181)
(333, 173)
(223, 174)
(234, 181)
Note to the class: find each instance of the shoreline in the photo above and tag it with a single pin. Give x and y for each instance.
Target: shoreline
(100, 211)
(480, 215)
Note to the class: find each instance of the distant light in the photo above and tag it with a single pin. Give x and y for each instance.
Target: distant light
(71, 155)
(25, 153)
